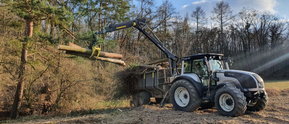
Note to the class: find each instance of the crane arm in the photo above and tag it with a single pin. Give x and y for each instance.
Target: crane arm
(140, 24)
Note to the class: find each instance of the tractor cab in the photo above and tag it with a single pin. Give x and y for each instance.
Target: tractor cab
(203, 65)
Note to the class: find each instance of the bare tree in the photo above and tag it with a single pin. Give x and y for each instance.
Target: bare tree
(276, 31)
(182, 37)
(222, 15)
(164, 19)
(245, 29)
(165, 13)
(198, 16)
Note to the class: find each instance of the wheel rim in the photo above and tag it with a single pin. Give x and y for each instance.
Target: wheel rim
(181, 96)
(251, 103)
(226, 102)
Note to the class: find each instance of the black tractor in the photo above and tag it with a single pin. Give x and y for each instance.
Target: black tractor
(206, 80)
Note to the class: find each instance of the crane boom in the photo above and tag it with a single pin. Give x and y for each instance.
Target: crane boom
(140, 24)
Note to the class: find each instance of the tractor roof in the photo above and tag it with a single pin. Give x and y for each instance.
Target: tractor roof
(203, 55)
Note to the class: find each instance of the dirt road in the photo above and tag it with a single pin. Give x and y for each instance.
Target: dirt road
(277, 111)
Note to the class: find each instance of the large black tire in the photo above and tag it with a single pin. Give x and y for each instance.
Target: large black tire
(259, 105)
(141, 98)
(185, 100)
(230, 101)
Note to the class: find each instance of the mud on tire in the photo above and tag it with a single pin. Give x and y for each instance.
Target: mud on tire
(230, 101)
(184, 97)
(260, 104)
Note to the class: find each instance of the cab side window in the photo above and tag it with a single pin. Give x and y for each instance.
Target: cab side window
(188, 66)
(199, 67)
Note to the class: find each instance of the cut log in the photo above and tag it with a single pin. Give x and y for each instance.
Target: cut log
(77, 49)
(115, 61)
(73, 45)
(80, 51)
(110, 55)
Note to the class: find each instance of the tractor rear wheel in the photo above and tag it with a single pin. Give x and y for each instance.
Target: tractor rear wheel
(259, 105)
(184, 97)
(141, 98)
(230, 101)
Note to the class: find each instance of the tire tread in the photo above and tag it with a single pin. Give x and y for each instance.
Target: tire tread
(240, 101)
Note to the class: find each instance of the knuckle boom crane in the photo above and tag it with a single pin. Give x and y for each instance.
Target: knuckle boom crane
(140, 24)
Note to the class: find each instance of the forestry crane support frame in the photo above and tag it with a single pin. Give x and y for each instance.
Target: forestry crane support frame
(140, 24)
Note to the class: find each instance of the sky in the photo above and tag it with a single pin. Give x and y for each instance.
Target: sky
(276, 7)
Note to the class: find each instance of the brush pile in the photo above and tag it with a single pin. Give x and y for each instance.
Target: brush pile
(129, 77)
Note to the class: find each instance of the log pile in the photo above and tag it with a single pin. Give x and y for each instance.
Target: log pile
(74, 49)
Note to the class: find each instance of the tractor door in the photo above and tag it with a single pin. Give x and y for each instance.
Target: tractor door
(201, 69)
(198, 67)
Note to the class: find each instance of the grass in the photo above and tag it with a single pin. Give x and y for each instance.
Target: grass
(113, 104)
(277, 84)
(101, 107)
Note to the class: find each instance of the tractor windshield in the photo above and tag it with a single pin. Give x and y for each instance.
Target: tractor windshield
(215, 64)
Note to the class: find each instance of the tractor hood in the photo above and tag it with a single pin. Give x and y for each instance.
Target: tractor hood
(248, 80)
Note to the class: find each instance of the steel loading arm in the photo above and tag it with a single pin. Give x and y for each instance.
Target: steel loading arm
(140, 24)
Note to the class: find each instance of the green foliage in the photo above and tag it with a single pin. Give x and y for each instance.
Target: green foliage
(87, 38)
(100, 12)
(15, 24)
(39, 10)
(113, 103)
(30, 9)
(60, 16)
(109, 44)
(44, 37)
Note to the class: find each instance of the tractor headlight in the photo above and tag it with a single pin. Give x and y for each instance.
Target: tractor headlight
(260, 80)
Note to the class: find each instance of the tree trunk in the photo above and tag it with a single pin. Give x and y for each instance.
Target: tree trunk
(20, 86)
(4, 25)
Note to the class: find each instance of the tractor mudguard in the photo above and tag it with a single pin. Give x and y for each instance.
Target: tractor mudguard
(212, 97)
(230, 83)
(199, 87)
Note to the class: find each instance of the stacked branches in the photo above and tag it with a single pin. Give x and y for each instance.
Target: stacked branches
(129, 78)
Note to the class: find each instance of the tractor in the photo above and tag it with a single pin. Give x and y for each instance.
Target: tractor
(198, 81)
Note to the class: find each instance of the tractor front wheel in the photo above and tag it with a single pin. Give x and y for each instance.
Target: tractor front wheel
(230, 101)
(259, 105)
